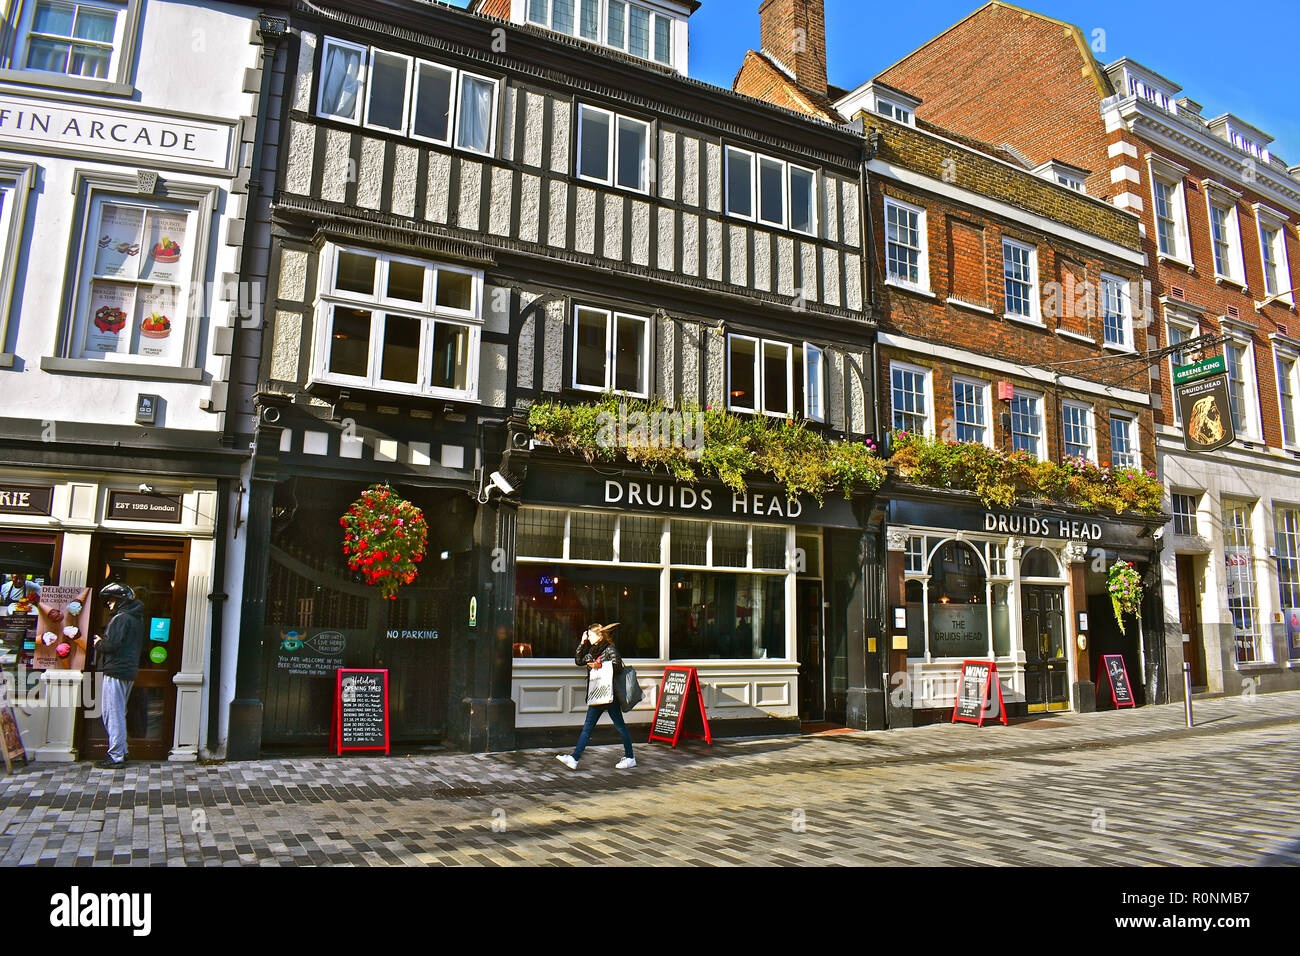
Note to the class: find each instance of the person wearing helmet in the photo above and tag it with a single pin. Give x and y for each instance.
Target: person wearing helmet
(118, 656)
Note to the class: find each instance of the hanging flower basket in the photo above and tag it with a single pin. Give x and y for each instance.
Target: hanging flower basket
(384, 538)
(1125, 587)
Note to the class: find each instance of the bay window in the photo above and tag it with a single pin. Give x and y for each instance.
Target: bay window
(772, 378)
(611, 352)
(613, 149)
(770, 191)
(397, 325)
(396, 94)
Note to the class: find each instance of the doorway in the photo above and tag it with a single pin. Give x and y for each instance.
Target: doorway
(812, 651)
(1189, 617)
(157, 570)
(1047, 669)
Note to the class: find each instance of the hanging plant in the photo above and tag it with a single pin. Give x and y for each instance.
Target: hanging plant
(1125, 586)
(384, 538)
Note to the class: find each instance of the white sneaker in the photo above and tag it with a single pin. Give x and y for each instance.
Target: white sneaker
(627, 763)
(567, 760)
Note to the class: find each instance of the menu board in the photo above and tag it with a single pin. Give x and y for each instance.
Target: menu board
(975, 693)
(1121, 692)
(361, 710)
(11, 740)
(680, 711)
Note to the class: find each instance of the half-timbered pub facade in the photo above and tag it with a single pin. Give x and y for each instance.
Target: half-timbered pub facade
(479, 210)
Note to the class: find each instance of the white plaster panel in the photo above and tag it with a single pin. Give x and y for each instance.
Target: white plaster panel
(584, 220)
(435, 205)
(338, 171)
(286, 342)
(690, 171)
(763, 261)
(530, 207)
(668, 165)
(315, 443)
(370, 175)
(640, 233)
(771, 694)
(306, 69)
(534, 105)
(453, 456)
(784, 265)
(667, 244)
(293, 275)
(731, 694)
(690, 244)
(471, 184)
(406, 168)
(558, 215)
(499, 214)
(613, 238)
(713, 239)
(302, 154)
(738, 261)
(713, 175)
(831, 273)
(561, 111)
(540, 698)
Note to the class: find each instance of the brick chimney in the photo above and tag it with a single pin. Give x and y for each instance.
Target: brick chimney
(794, 33)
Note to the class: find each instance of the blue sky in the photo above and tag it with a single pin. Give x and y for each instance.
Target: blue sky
(1185, 41)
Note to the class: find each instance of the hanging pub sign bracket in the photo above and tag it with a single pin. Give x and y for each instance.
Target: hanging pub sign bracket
(974, 694)
(680, 711)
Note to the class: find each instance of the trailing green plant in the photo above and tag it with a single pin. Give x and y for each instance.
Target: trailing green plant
(1000, 479)
(1125, 587)
(731, 448)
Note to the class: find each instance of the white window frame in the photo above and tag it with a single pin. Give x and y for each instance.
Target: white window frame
(1131, 436)
(1259, 650)
(1174, 176)
(1281, 358)
(1041, 434)
(1250, 387)
(1035, 316)
(16, 183)
(116, 82)
(984, 395)
(460, 102)
(793, 402)
(1190, 330)
(407, 98)
(923, 259)
(381, 307)
(1223, 200)
(927, 386)
(755, 192)
(612, 149)
(611, 351)
(603, 35)
(895, 111)
(1126, 343)
(1194, 515)
(1092, 430)
(363, 84)
(1266, 218)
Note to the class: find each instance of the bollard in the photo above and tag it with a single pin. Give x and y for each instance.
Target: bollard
(1187, 692)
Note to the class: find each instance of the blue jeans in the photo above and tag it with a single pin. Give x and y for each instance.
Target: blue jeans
(114, 716)
(593, 715)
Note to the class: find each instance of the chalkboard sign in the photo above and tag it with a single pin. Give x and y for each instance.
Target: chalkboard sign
(361, 710)
(680, 711)
(1121, 692)
(974, 693)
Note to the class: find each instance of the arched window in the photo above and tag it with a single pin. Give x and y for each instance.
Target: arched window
(1039, 563)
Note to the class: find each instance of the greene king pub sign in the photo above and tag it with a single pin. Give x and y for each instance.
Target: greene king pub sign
(1203, 403)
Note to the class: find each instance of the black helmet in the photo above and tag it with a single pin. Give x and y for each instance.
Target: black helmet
(116, 592)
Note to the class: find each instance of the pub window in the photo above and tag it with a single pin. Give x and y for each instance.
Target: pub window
(970, 400)
(1124, 451)
(1027, 424)
(611, 352)
(997, 561)
(770, 191)
(775, 378)
(1287, 523)
(397, 325)
(955, 612)
(1077, 432)
(1039, 563)
(726, 584)
(613, 149)
(910, 395)
(915, 554)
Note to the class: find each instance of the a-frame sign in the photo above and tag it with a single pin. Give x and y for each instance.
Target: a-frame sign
(680, 711)
(974, 693)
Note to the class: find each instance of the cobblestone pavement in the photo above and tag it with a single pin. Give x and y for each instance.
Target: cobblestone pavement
(1129, 787)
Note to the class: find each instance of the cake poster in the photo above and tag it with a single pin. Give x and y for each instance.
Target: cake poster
(155, 324)
(119, 242)
(165, 246)
(108, 327)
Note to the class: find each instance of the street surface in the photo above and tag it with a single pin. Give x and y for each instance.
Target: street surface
(1132, 788)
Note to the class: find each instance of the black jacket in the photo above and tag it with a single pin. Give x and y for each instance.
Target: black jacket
(118, 654)
(604, 651)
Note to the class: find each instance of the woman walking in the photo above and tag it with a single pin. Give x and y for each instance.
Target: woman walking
(597, 653)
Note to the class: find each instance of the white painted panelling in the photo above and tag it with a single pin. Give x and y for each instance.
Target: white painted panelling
(771, 695)
(453, 456)
(351, 446)
(386, 449)
(541, 698)
(315, 443)
(731, 694)
(420, 454)
(286, 440)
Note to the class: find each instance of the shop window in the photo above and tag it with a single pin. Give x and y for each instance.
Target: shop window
(541, 533)
(1039, 563)
(808, 552)
(1239, 556)
(591, 536)
(611, 352)
(997, 561)
(1288, 566)
(640, 540)
(27, 564)
(690, 543)
(555, 603)
(957, 602)
(727, 616)
(397, 325)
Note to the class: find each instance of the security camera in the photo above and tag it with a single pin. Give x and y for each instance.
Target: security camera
(502, 484)
(146, 489)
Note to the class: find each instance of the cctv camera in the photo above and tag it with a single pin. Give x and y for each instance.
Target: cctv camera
(502, 484)
(146, 489)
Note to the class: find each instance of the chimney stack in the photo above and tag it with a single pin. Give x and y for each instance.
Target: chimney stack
(794, 33)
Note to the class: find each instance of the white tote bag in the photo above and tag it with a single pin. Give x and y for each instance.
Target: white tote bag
(600, 685)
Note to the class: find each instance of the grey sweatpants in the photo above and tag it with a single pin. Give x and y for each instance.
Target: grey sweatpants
(114, 716)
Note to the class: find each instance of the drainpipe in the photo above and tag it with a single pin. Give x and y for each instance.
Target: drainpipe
(217, 598)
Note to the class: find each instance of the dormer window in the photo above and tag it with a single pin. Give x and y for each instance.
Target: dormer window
(1063, 175)
(894, 111)
(629, 27)
(1248, 145)
(882, 100)
(1147, 92)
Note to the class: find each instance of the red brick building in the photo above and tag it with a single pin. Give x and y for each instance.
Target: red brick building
(1006, 306)
(1219, 213)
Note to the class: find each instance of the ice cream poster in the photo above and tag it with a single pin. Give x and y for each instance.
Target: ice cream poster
(62, 630)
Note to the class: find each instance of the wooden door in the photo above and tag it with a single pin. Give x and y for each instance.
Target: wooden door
(1189, 617)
